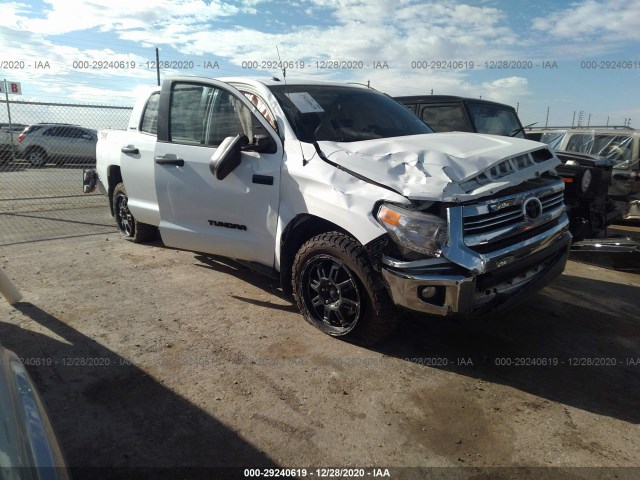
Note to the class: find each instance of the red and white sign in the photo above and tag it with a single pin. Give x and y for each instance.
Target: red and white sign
(13, 88)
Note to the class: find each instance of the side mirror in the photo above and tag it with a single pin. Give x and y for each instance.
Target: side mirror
(227, 156)
(261, 144)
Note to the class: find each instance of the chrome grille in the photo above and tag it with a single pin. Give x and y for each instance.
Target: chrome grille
(498, 219)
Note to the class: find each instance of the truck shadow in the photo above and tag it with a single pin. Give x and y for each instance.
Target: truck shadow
(112, 419)
(577, 343)
(244, 273)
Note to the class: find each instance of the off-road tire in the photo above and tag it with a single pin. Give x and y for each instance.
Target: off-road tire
(129, 227)
(375, 317)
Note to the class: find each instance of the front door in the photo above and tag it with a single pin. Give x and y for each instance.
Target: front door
(234, 217)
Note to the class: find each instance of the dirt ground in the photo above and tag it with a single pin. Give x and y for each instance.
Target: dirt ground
(151, 357)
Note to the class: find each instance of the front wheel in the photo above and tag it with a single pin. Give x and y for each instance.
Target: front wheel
(338, 292)
(129, 227)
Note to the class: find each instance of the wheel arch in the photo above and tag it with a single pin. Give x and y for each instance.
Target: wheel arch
(31, 148)
(305, 226)
(114, 177)
(300, 229)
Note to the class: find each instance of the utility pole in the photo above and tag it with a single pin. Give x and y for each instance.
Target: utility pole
(546, 120)
(158, 65)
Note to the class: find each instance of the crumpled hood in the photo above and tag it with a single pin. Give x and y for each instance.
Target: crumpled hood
(433, 166)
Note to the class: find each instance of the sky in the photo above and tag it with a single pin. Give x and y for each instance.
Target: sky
(550, 59)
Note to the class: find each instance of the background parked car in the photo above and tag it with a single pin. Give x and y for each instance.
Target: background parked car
(586, 177)
(619, 144)
(6, 140)
(42, 143)
(448, 113)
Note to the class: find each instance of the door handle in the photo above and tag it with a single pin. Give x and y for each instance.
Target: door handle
(262, 179)
(170, 159)
(130, 149)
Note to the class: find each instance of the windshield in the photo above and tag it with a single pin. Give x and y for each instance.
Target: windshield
(495, 121)
(615, 147)
(345, 114)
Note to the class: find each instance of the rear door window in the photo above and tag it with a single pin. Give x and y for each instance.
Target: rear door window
(150, 116)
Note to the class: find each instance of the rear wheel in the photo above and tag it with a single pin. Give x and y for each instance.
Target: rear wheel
(37, 157)
(129, 227)
(338, 291)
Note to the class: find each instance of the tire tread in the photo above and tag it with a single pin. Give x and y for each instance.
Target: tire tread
(383, 319)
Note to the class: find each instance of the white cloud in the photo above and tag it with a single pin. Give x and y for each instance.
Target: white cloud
(65, 16)
(62, 60)
(384, 29)
(605, 21)
(507, 90)
(392, 31)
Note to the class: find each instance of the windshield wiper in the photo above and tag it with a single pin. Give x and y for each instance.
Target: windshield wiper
(521, 129)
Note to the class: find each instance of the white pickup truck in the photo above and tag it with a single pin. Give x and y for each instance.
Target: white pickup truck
(343, 193)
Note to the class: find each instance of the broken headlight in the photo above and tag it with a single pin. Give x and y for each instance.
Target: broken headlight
(418, 231)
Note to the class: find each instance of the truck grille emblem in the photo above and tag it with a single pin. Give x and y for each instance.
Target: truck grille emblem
(532, 208)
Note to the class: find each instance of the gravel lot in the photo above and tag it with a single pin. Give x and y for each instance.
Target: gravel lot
(151, 357)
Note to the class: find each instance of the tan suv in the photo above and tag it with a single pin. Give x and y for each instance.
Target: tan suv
(619, 144)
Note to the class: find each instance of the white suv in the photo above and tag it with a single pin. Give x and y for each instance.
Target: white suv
(57, 142)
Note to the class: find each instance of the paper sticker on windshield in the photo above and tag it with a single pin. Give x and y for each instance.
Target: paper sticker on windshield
(305, 102)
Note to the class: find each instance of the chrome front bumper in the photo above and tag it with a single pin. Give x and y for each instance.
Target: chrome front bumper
(503, 278)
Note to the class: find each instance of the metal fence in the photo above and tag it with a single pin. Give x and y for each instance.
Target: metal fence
(42, 156)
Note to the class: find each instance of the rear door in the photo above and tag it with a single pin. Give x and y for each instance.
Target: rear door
(236, 216)
(56, 143)
(136, 148)
(86, 144)
(78, 143)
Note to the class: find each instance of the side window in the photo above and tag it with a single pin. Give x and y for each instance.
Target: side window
(412, 107)
(150, 116)
(186, 113)
(445, 118)
(227, 117)
(73, 133)
(54, 132)
(205, 115)
(65, 132)
(62, 132)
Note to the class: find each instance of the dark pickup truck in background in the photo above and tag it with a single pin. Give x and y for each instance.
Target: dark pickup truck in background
(448, 113)
(586, 177)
